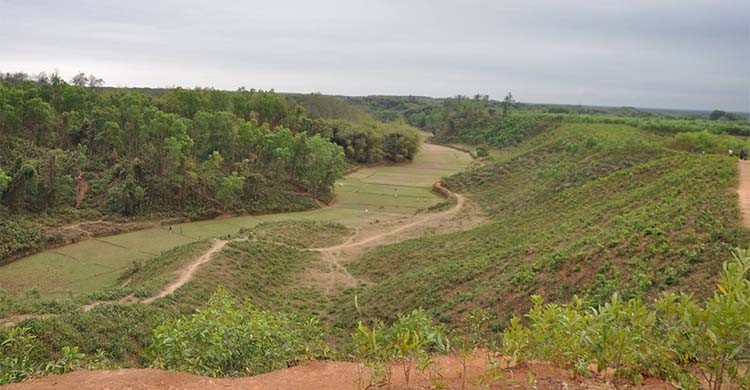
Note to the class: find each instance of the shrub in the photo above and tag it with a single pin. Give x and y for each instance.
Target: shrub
(400, 142)
(408, 341)
(20, 357)
(634, 338)
(231, 338)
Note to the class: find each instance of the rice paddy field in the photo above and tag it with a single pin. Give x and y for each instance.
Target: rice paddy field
(362, 197)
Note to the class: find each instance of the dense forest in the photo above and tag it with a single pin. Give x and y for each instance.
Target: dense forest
(73, 151)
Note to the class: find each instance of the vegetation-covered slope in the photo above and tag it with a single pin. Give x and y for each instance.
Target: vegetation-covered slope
(585, 209)
(71, 152)
(604, 208)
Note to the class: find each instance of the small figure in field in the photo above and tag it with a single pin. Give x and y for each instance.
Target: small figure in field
(743, 154)
(170, 229)
(731, 152)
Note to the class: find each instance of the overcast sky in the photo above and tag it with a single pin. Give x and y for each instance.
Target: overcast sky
(645, 53)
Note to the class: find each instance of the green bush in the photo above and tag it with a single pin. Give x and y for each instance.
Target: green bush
(400, 142)
(408, 342)
(634, 338)
(230, 338)
(20, 357)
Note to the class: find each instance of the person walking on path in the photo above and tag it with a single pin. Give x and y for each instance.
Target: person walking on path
(743, 154)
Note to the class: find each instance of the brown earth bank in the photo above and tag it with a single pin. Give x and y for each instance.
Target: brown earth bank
(743, 190)
(446, 373)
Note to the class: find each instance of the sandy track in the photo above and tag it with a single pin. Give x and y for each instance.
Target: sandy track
(188, 272)
(334, 256)
(377, 238)
(185, 276)
(743, 190)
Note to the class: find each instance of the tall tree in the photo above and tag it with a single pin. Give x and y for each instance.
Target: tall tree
(508, 103)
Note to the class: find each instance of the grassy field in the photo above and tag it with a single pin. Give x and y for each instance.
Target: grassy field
(369, 194)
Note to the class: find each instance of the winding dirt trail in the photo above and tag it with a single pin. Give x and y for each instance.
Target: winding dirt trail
(335, 255)
(381, 236)
(743, 190)
(185, 276)
(188, 272)
(337, 273)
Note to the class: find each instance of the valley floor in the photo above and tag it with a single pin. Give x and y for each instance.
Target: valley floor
(370, 199)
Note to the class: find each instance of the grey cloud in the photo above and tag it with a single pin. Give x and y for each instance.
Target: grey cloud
(654, 53)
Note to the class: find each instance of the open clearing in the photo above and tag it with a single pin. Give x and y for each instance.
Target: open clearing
(365, 197)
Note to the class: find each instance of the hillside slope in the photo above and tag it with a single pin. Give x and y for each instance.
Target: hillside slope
(582, 209)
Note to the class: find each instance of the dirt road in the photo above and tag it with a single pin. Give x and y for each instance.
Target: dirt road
(447, 373)
(336, 256)
(743, 190)
(188, 272)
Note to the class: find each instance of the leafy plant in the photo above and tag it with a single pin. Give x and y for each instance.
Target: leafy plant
(20, 357)
(230, 338)
(634, 338)
(409, 341)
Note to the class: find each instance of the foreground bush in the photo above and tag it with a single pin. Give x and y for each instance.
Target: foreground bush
(20, 357)
(230, 338)
(667, 339)
(408, 342)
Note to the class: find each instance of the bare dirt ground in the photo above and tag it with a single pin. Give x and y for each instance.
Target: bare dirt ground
(11, 321)
(87, 230)
(446, 373)
(743, 190)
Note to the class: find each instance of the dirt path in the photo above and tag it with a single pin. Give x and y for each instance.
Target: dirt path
(376, 238)
(447, 373)
(9, 322)
(743, 190)
(336, 276)
(334, 256)
(188, 272)
(185, 276)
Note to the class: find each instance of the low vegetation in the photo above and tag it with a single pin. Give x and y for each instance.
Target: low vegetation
(303, 234)
(673, 337)
(229, 338)
(583, 209)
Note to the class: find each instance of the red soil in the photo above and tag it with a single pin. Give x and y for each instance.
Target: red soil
(445, 374)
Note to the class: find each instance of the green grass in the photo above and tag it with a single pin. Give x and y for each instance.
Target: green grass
(586, 209)
(364, 196)
(303, 234)
(258, 270)
(146, 278)
(87, 266)
(263, 272)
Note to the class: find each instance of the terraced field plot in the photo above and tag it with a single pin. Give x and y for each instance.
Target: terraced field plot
(369, 194)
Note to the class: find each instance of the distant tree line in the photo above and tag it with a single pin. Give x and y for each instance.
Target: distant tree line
(480, 120)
